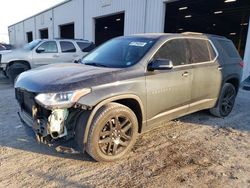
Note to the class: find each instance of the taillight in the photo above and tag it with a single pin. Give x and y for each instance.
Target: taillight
(242, 64)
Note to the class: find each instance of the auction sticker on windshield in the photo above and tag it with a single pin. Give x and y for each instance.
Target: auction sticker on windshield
(140, 44)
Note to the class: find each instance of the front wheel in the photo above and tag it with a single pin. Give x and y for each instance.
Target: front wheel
(113, 132)
(225, 102)
(15, 69)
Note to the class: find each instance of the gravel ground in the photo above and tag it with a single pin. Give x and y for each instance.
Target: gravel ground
(194, 151)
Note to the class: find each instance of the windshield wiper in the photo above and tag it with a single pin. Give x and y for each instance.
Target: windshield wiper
(96, 64)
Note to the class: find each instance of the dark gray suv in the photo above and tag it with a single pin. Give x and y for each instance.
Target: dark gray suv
(127, 86)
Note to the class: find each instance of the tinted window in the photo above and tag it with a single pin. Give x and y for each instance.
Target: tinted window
(86, 47)
(199, 50)
(67, 47)
(175, 50)
(48, 47)
(120, 52)
(229, 48)
(32, 45)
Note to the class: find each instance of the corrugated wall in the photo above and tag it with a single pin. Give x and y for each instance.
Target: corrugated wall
(68, 13)
(155, 15)
(29, 27)
(140, 15)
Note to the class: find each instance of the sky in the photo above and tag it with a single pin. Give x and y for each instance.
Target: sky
(12, 11)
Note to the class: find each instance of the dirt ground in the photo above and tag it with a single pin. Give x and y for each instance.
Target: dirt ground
(194, 151)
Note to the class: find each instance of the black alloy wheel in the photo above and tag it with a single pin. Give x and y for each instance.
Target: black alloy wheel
(115, 135)
(112, 133)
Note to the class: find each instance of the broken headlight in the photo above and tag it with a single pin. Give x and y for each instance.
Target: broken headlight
(62, 99)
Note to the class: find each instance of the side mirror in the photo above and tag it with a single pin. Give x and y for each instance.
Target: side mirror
(78, 61)
(40, 50)
(160, 64)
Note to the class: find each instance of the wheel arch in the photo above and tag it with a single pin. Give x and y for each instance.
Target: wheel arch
(131, 101)
(24, 62)
(232, 79)
(235, 81)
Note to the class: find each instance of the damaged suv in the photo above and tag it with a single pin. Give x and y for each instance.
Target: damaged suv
(127, 86)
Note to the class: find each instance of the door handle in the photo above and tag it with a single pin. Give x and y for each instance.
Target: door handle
(55, 56)
(185, 74)
(75, 55)
(219, 68)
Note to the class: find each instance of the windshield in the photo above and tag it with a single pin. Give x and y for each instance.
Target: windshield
(31, 45)
(119, 52)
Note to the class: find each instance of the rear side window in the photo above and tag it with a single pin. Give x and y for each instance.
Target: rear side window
(229, 48)
(201, 50)
(85, 47)
(175, 50)
(67, 47)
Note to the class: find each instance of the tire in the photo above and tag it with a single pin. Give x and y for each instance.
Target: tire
(5, 74)
(113, 133)
(225, 102)
(80, 130)
(15, 69)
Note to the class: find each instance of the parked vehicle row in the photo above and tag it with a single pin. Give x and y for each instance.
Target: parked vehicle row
(42, 52)
(127, 86)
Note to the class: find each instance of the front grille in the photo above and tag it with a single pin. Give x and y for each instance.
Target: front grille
(26, 100)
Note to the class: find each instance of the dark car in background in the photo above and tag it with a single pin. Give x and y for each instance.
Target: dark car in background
(127, 86)
(4, 47)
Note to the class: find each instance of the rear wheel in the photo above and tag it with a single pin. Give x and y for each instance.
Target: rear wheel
(113, 132)
(225, 102)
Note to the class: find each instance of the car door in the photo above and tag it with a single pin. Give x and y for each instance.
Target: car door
(45, 53)
(207, 75)
(169, 91)
(68, 52)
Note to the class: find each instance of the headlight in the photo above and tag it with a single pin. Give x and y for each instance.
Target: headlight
(61, 100)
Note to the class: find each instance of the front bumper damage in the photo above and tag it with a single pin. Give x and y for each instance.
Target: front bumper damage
(47, 129)
(55, 127)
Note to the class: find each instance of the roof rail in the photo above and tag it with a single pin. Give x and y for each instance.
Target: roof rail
(191, 33)
(205, 34)
(70, 39)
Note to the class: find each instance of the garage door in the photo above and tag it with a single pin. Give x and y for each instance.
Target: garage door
(228, 18)
(108, 27)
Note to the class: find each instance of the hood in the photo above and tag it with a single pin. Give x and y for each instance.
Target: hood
(16, 54)
(64, 77)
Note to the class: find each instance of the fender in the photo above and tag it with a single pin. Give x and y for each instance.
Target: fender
(106, 101)
(19, 61)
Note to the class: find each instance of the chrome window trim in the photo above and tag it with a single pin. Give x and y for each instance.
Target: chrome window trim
(190, 37)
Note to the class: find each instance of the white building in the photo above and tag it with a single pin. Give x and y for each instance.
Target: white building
(100, 20)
